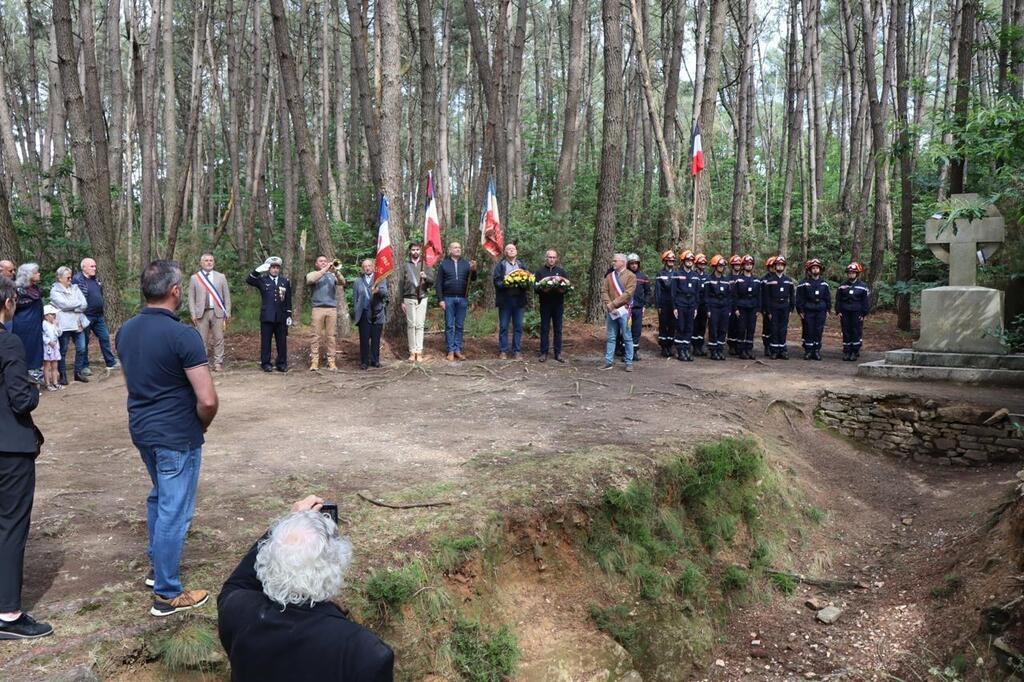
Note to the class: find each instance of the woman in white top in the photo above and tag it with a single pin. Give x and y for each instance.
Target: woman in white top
(70, 303)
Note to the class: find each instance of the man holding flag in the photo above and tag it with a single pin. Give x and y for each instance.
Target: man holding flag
(370, 294)
(209, 304)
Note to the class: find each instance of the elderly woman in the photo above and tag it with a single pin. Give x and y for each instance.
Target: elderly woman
(70, 303)
(28, 318)
(277, 620)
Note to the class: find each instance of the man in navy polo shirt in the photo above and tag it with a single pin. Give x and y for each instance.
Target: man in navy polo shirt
(171, 402)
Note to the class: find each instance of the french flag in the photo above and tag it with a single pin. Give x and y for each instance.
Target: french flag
(491, 237)
(431, 227)
(385, 261)
(697, 160)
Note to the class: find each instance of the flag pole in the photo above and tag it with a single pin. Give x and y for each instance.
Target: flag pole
(693, 235)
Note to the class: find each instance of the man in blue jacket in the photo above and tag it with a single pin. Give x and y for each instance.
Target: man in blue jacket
(452, 285)
(813, 300)
(778, 291)
(92, 286)
(510, 302)
(369, 303)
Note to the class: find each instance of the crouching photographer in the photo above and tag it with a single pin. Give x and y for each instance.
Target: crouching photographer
(276, 617)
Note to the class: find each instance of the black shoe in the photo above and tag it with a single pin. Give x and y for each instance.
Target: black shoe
(281, 369)
(25, 627)
(63, 381)
(636, 356)
(79, 377)
(666, 352)
(679, 355)
(150, 578)
(375, 364)
(266, 368)
(817, 355)
(363, 366)
(687, 356)
(559, 358)
(784, 355)
(543, 357)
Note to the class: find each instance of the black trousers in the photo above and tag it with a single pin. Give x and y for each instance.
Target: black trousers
(279, 330)
(853, 331)
(813, 328)
(369, 341)
(747, 326)
(666, 327)
(733, 333)
(779, 325)
(720, 320)
(684, 326)
(636, 330)
(17, 488)
(552, 311)
(766, 331)
(700, 328)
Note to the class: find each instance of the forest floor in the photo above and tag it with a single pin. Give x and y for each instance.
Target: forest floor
(449, 431)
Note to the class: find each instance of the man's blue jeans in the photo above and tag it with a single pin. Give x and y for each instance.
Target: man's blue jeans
(98, 326)
(507, 314)
(169, 508)
(77, 338)
(455, 308)
(617, 327)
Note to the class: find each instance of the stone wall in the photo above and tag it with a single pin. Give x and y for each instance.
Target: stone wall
(924, 430)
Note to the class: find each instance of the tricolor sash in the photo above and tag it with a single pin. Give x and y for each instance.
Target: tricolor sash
(619, 290)
(204, 280)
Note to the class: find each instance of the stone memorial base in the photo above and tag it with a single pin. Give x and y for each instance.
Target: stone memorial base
(961, 320)
(968, 368)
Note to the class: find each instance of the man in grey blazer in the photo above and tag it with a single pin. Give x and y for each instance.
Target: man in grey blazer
(370, 312)
(209, 304)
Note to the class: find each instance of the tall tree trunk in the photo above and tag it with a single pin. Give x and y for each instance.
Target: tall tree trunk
(9, 246)
(115, 81)
(562, 200)
(611, 158)
(904, 263)
(674, 48)
(428, 98)
(797, 73)
(444, 192)
(956, 20)
(963, 89)
(170, 111)
(741, 169)
(879, 142)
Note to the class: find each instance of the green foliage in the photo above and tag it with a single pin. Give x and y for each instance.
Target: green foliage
(691, 583)
(651, 582)
(717, 531)
(783, 582)
(450, 553)
(1013, 336)
(482, 654)
(951, 584)
(762, 554)
(193, 646)
(734, 579)
(616, 622)
(735, 459)
(815, 515)
(387, 589)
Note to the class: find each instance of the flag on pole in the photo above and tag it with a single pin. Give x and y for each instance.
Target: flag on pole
(431, 227)
(491, 237)
(385, 261)
(697, 160)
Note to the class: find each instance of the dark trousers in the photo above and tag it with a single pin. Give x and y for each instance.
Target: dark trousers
(552, 311)
(766, 332)
(748, 326)
(700, 326)
(279, 330)
(636, 322)
(684, 326)
(98, 326)
(732, 336)
(719, 327)
(666, 328)
(369, 342)
(17, 487)
(779, 325)
(853, 331)
(78, 339)
(813, 328)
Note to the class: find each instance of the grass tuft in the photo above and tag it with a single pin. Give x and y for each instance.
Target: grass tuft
(450, 553)
(734, 579)
(194, 646)
(481, 654)
(691, 583)
(783, 582)
(951, 584)
(387, 589)
(614, 621)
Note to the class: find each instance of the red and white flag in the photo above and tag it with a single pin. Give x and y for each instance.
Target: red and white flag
(491, 237)
(385, 261)
(697, 160)
(431, 227)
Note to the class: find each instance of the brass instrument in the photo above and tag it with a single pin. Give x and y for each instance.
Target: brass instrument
(336, 264)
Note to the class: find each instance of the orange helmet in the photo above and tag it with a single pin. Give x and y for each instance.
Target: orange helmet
(811, 263)
(668, 255)
(855, 267)
(735, 260)
(717, 260)
(770, 262)
(747, 259)
(700, 259)
(686, 255)
(779, 259)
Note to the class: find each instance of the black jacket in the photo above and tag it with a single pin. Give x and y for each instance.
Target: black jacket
(663, 288)
(503, 295)
(273, 306)
(778, 292)
(718, 292)
(813, 294)
(853, 297)
(18, 397)
(316, 643)
(746, 292)
(545, 271)
(453, 278)
(686, 288)
(643, 296)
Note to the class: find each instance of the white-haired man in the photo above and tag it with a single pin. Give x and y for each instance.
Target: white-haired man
(92, 286)
(276, 618)
(616, 294)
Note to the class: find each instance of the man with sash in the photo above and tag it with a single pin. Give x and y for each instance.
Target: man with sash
(616, 294)
(209, 303)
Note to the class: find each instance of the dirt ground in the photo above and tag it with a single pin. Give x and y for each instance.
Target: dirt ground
(410, 433)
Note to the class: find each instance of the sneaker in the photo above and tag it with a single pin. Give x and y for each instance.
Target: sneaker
(543, 357)
(629, 368)
(450, 357)
(503, 356)
(517, 356)
(81, 378)
(26, 627)
(216, 368)
(189, 599)
(559, 358)
(51, 387)
(150, 578)
(86, 371)
(266, 368)
(607, 365)
(117, 364)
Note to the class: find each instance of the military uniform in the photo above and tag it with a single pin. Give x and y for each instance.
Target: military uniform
(779, 301)
(663, 301)
(686, 294)
(746, 291)
(275, 316)
(813, 301)
(718, 298)
(642, 298)
(853, 303)
(766, 325)
(733, 334)
(700, 322)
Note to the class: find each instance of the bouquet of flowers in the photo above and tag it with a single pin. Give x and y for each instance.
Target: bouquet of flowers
(519, 279)
(554, 284)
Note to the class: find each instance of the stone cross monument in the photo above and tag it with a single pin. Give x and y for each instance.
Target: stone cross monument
(961, 317)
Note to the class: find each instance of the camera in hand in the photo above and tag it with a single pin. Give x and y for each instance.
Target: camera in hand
(330, 511)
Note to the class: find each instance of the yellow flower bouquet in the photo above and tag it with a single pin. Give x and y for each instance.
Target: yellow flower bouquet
(519, 279)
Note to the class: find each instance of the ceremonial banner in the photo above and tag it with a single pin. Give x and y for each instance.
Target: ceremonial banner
(385, 261)
(491, 237)
(697, 160)
(432, 249)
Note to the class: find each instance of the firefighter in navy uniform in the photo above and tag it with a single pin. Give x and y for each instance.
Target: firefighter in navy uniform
(779, 293)
(700, 322)
(686, 286)
(766, 325)
(663, 302)
(275, 311)
(733, 335)
(813, 301)
(718, 298)
(853, 303)
(746, 300)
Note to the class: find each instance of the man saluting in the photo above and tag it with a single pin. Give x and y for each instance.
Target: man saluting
(275, 311)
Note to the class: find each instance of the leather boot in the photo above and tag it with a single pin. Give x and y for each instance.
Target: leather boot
(314, 364)
(330, 364)
(679, 354)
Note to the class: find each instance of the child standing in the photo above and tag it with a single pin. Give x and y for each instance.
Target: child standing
(51, 349)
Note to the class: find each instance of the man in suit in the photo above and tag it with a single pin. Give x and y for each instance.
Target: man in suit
(209, 304)
(275, 311)
(552, 305)
(276, 620)
(18, 451)
(510, 302)
(616, 293)
(368, 301)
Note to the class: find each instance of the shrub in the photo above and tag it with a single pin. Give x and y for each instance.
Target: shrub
(951, 584)
(783, 582)
(651, 581)
(388, 589)
(482, 654)
(734, 579)
(614, 622)
(691, 583)
(194, 646)
(450, 553)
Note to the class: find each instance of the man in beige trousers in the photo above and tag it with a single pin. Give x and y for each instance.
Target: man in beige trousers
(209, 304)
(323, 283)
